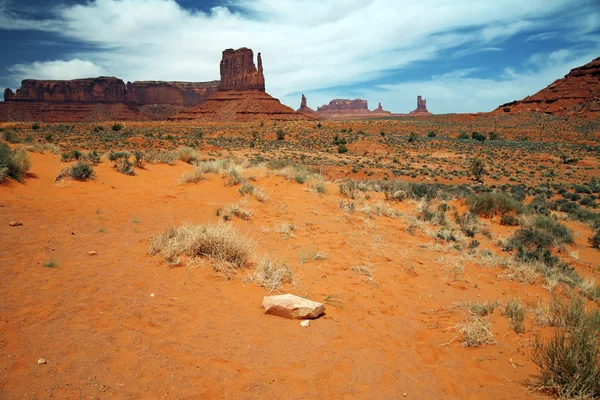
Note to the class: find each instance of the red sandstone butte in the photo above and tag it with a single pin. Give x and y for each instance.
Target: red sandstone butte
(350, 109)
(103, 98)
(421, 107)
(241, 95)
(578, 93)
(238, 71)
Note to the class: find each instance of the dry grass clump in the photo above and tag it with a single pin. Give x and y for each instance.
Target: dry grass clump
(237, 210)
(14, 163)
(380, 209)
(220, 242)
(161, 157)
(43, 147)
(194, 176)
(187, 154)
(286, 229)
(80, 171)
(482, 310)
(476, 332)
(516, 312)
(270, 273)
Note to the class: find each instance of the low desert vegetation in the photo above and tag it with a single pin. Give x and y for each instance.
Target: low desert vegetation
(569, 360)
(80, 171)
(271, 273)
(219, 242)
(14, 163)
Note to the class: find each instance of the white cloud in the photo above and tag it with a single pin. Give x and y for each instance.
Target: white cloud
(307, 45)
(58, 69)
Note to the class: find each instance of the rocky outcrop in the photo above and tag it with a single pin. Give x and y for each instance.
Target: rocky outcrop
(578, 93)
(357, 106)
(304, 109)
(292, 307)
(249, 102)
(421, 107)
(238, 71)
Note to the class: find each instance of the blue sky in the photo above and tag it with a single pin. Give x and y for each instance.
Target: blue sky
(462, 55)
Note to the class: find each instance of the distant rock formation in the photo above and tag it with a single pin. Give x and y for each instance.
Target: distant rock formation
(111, 90)
(380, 110)
(304, 109)
(578, 93)
(357, 106)
(349, 109)
(103, 98)
(421, 107)
(238, 71)
(241, 95)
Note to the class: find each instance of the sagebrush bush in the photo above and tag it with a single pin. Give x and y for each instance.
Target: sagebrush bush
(124, 166)
(187, 154)
(14, 163)
(569, 361)
(80, 171)
(160, 157)
(494, 203)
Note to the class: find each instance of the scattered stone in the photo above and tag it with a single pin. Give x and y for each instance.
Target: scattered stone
(305, 323)
(92, 253)
(41, 361)
(151, 294)
(16, 223)
(293, 307)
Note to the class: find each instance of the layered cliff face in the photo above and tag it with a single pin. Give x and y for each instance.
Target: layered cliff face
(578, 93)
(107, 90)
(110, 90)
(186, 94)
(421, 107)
(238, 71)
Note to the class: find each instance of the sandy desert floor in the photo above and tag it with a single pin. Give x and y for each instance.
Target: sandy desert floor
(127, 324)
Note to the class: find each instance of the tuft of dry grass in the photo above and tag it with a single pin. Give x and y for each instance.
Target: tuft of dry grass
(238, 210)
(286, 229)
(187, 154)
(271, 273)
(160, 157)
(220, 242)
(194, 176)
(476, 332)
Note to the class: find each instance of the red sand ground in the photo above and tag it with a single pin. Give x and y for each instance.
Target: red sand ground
(201, 336)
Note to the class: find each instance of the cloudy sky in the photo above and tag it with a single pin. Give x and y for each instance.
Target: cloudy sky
(462, 55)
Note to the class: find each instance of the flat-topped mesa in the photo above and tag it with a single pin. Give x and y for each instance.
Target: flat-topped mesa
(238, 71)
(110, 90)
(344, 105)
(105, 89)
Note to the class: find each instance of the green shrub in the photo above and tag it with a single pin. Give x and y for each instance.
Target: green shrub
(14, 163)
(477, 169)
(478, 136)
(342, 149)
(70, 155)
(35, 126)
(280, 134)
(10, 136)
(93, 157)
(115, 155)
(463, 135)
(494, 203)
(117, 127)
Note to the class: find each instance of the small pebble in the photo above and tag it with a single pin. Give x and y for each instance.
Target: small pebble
(92, 253)
(405, 394)
(305, 323)
(41, 361)
(16, 223)
(151, 294)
